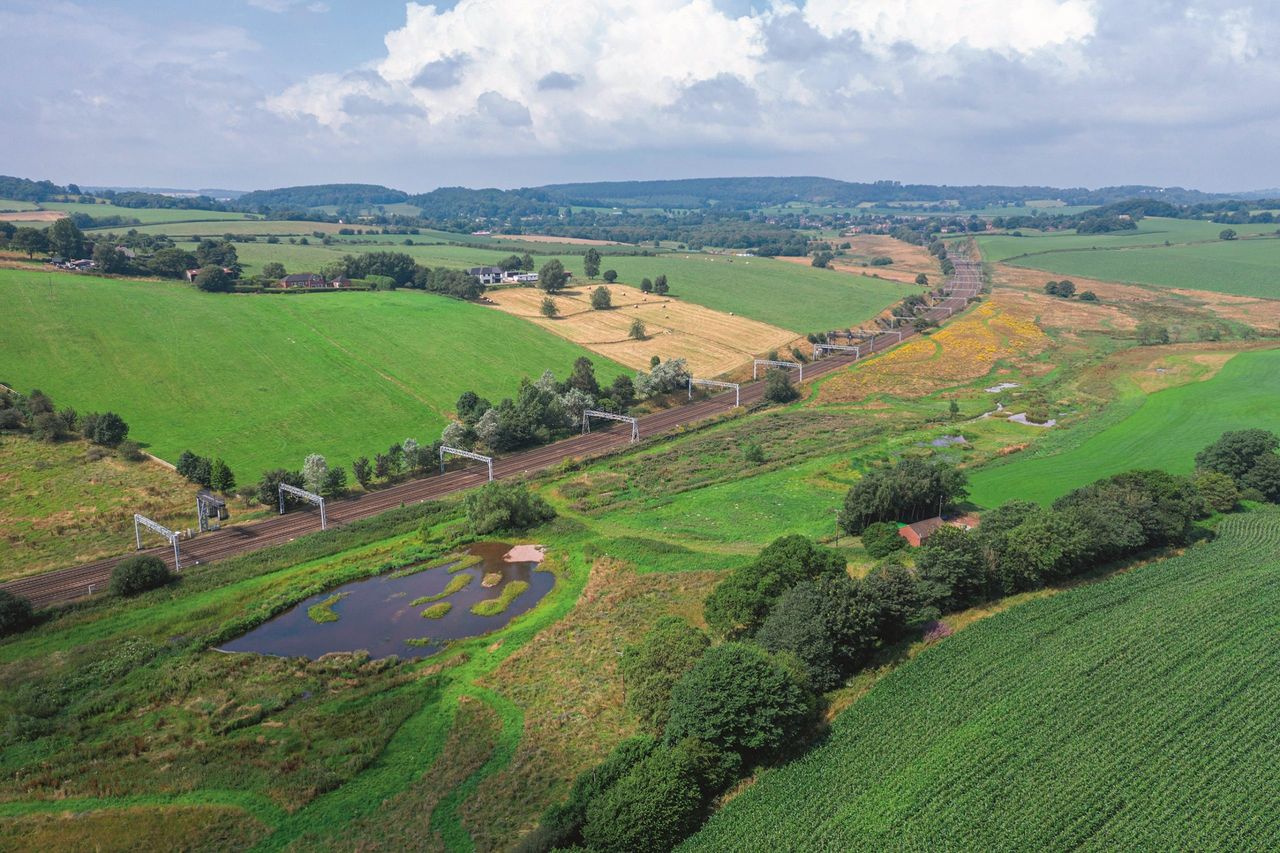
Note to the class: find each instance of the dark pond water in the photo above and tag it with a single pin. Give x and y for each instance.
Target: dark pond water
(375, 615)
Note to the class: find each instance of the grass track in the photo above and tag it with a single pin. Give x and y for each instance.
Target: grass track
(263, 380)
(1135, 713)
(1165, 430)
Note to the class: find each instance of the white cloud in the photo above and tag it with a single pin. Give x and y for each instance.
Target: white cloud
(279, 7)
(1004, 27)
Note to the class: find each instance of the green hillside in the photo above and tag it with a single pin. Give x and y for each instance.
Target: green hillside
(263, 380)
(1163, 430)
(1135, 713)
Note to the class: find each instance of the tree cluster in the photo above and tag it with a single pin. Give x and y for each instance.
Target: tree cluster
(35, 413)
(1248, 457)
(210, 473)
(506, 506)
(909, 490)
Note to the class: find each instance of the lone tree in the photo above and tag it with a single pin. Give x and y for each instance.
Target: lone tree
(139, 574)
(363, 471)
(600, 299)
(637, 330)
(660, 286)
(221, 478)
(1227, 234)
(548, 307)
(552, 277)
(1152, 334)
(274, 269)
(610, 276)
(922, 279)
(66, 239)
(646, 286)
(778, 387)
(591, 263)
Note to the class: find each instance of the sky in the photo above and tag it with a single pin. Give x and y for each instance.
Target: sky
(248, 94)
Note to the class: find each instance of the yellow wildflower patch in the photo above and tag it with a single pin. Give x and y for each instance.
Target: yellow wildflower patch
(962, 351)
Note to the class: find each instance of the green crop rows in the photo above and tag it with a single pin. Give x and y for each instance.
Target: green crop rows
(1135, 713)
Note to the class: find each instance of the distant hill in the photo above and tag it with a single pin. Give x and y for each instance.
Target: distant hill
(320, 195)
(755, 192)
(179, 192)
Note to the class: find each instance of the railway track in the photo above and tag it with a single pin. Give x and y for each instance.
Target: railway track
(64, 585)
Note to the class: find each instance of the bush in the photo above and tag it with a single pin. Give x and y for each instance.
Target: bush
(738, 699)
(268, 489)
(505, 506)
(131, 451)
(652, 808)
(561, 824)
(600, 299)
(134, 575)
(107, 429)
(778, 387)
(651, 668)
(15, 613)
(881, 539)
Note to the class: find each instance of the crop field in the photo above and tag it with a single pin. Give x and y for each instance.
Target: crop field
(11, 204)
(1162, 430)
(263, 380)
(1241, 267)
(1134, 713)
(962, 351)
(711, 341)
(56, 508)
(1152, 231)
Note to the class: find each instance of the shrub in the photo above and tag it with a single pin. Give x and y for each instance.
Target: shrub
(778, 387)
(268, 491)
(139, 574)
(505, 506)
(881, 261)
(738, 699)
(131, 451)
(637, 331)
(561, 824)
(600, 299)
(881, 539)
(651, 668)
(548, 308)
(15, 613)
(109, 429)
(652, 808)
(610, 276)
(753, 453)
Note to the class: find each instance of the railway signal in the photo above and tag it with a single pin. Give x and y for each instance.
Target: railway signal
(306, 496)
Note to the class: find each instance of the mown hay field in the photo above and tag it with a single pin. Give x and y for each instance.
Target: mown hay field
(146, 215)
(1134, 713)
(1161, 430)
(263, 380)
(711, 341)
(964, 350)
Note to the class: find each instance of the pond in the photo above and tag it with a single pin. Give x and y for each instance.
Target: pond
(383, 615)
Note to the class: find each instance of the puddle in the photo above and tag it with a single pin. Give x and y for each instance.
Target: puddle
(376, 614)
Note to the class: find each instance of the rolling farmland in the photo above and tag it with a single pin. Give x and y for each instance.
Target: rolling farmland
(1134, 713)
(262, 381)
(1153, 231)
(1240, 267)
(1162, 430)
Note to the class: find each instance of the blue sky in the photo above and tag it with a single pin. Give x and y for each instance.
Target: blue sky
(258, 93)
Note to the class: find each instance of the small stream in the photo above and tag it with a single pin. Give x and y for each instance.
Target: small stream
(375, 614)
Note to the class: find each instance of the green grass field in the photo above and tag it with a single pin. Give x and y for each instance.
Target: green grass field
(1152, 231)
(1134, 713)
(1163, 430)
(13, 204)
(1240, 267)
(263, 380)
(146, 214)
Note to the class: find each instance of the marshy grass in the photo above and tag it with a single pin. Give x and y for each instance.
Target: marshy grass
(323, 612)
(494, 606)
(457, 583)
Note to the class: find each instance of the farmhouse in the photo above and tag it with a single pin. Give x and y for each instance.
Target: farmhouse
(520, 278)
(487, 275)
(917, 533)
(308, 280)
